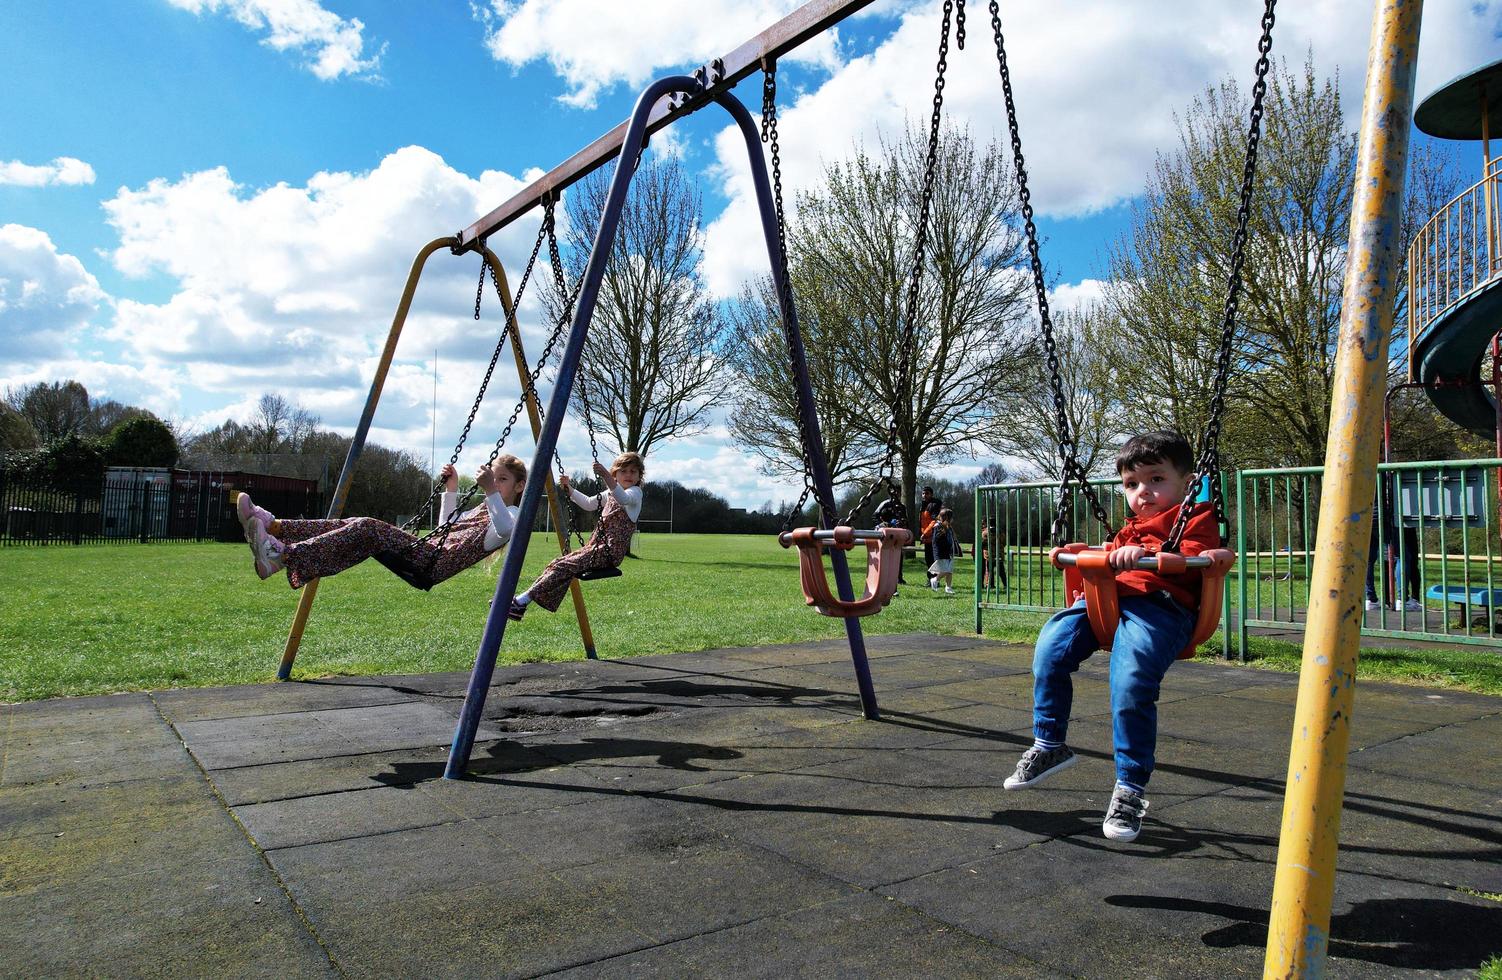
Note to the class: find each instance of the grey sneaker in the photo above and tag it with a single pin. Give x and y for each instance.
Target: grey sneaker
(1124, 816)
(1037, 765)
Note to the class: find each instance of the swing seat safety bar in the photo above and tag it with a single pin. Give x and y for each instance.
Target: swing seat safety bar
(883, 565)
(1088, 573)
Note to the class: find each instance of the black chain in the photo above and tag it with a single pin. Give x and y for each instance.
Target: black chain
(1209, 458)
(783, 281)
(440, 533)
(474, 410)
(905, 352)
(1069, 463)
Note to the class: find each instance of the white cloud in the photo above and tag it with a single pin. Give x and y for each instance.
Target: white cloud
(46, 296)
(1076, 296)
(596, 44)
(63, 170)
(291, 289)
(1097, 86)
(333, 45)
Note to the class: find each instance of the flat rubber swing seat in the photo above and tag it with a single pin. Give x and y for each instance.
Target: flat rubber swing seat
(1087, 573)
(883, 565)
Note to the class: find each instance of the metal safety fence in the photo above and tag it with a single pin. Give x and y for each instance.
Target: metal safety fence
(171, 507)
(1434, 566)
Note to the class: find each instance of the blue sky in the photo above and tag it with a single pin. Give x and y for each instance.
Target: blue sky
(250, 178)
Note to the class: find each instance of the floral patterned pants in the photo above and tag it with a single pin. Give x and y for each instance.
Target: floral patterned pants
(317, 549)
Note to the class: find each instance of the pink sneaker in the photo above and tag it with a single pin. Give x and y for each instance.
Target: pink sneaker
(245, 509)
(266, 549)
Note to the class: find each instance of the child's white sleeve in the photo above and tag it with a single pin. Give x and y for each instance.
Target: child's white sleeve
(629, 499)
(447, 506)
(502, 521)
(585, 501)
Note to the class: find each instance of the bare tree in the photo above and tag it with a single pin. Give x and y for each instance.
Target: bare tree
(765, 420)
(851, 253)
(1089, 349)
(1169, 272)
(653, 364)
(279, 426)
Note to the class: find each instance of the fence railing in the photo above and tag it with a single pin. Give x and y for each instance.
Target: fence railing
(1454, 255)
(1434, 563)
(185, 507)
(1433, 554)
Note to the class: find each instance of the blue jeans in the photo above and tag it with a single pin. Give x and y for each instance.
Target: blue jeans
(1152, 631)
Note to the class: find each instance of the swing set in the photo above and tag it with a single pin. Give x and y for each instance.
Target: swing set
(1302, 895)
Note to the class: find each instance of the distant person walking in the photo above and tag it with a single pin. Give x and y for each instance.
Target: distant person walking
(928, 514)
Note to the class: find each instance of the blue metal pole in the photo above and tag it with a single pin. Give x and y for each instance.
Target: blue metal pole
(547, 441)
(818, 463)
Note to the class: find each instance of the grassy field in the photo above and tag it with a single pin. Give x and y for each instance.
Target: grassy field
(128, 617)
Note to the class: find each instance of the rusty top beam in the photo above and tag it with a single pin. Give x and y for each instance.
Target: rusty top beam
(720, 75)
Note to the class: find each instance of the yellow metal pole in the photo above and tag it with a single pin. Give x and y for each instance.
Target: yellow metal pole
(347, 475)
(1305, 882)
(535, 416)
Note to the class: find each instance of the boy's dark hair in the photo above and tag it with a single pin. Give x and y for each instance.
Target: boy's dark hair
(946, 513)
(1162, 446)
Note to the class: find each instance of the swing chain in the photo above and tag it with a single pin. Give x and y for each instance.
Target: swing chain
(474, 410)
(1209, 459)
(783, 281)
(1072, 471)
(529, 382)
(560, 280)
(906, 352)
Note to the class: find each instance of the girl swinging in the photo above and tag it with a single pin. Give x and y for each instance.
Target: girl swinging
(608, 544)
(319, 548)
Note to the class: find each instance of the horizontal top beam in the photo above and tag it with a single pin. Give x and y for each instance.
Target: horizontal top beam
(719, 75)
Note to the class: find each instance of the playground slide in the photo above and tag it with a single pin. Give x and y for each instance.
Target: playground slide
(1455, 347)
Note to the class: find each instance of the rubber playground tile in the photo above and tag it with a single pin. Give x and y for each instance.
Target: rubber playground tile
(60, 808)
(225, 917)
(861, 832)
(104, 714)
(517, 927)
(1090, 907)
(186, 705)
(509, 793)
(859, 935)
(401, 866)
(260, 739)
(335, 816)
(603, 830)
(140, 839)
(94, 760)
(690, 891)
(1394, 701)
(1266, 725)
(1459, 755)
(919, 670)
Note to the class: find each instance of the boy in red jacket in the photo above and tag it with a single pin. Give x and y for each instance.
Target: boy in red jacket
(1157, 620)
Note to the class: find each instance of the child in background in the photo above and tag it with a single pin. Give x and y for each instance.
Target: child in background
(607, 546)
(319, 548)
(946, 549)
(1157, 619)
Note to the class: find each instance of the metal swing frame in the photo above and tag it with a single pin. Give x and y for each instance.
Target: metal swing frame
(357, 444)
(681, 94)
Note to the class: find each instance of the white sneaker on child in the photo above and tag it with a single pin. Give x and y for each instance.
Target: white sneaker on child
(266, 549)
(1372, 604)
(948, 590)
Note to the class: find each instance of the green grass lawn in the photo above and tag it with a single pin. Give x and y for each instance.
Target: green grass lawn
(106, 618)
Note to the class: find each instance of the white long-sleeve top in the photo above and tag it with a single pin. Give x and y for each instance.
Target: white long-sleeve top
(629, 499)
(502, 517)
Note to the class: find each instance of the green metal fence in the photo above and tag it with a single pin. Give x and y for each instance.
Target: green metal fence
(1435, 573)
(1433, 564)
